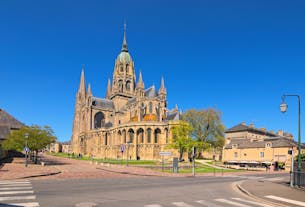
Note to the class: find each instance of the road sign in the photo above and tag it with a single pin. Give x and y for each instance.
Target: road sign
(26, 149)
(122, 148)
(165, 153)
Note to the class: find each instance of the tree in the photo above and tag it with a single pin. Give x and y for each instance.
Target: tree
(206, 126)
(38, 138)
(181, 138)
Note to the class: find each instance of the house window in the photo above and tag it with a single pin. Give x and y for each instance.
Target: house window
(234, 146)
(235, 154)
(261, 154)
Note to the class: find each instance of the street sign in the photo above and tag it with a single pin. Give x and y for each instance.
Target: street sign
(122, 148)
(26, 149)
(165, 153)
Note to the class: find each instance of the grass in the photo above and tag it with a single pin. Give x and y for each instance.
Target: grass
(110, 161)
(183, 167)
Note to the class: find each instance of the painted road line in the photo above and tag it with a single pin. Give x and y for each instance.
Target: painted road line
(207, 203)
(251, 202)
(17, 198)
(181, 204)
(13, 182)
(153, 205)
(299, 203)
(33, 204)
(16, 192)
(231, 202)
(16, 188)
(15, 185)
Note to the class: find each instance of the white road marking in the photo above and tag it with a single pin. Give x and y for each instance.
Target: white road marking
(299, 203)
(207, 203)
(252, 202)
(17, 198)
(15, 185)
(33, 204)
(181, 204)
(275, 179)
(16, 188)
(13, 182)
(231, 202)
(153, 205)
(16, 192)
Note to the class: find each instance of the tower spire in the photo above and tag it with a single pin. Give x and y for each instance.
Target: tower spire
(89, 93)
(162, 89)
(82, 86)
(124, 44)
(140, 83)
(108, 92)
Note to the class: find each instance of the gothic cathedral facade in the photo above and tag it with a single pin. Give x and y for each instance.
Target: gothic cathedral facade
(130, 122)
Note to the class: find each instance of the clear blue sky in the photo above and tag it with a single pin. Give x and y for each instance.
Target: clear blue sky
(237, 56)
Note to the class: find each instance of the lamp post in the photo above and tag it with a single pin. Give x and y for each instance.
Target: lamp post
(283, 108)
(26, 136)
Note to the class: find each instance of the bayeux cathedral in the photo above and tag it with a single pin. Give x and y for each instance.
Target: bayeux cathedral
(130, 122)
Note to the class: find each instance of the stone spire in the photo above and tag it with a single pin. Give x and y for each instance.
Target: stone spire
(89, 93)
(82, 86)
(162, 89)
(108, 92)
(124, 44)
(140, 83)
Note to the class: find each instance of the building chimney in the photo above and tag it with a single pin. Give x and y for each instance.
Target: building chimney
(243, 123)
(251, 125)
(263, 129)
(280, 133)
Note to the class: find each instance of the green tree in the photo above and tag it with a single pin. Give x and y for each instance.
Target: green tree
(206, 126)
(181, 138)
(38, 138)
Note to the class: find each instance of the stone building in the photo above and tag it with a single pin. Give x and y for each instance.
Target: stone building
(129, 120)
(7, 124)
(250, 146)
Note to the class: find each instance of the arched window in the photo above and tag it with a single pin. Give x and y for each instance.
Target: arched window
(99, 120)
(157, 132)
(120, 86)
(148, 135)
(166, 136)
(127, 68)
(128, 85)
(150, 107)
(131, 135)
(140, 134)
(120, 137)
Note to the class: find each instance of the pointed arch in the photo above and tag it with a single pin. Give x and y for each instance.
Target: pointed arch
(140, 135)
(148, 131)
(99, 120)
(156, 135)
(131, 135)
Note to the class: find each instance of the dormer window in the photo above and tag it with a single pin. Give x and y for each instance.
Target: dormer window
(234, 146)
(268, 145)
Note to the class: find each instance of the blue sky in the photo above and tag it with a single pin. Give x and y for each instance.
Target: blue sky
(236, 56)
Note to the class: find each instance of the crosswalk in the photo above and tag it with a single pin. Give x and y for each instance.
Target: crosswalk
(218, 202)
(233, 202)
(17, 193)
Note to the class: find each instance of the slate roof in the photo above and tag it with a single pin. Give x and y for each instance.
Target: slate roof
(8, 122)
(243, 127)
(150, 92)
(174, 116)
(276, 142)
(102, 103)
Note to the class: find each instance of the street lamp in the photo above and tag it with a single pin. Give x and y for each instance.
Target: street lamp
(26, 135)
(283, 108)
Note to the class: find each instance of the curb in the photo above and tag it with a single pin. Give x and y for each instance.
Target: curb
(40, 175)
(267, 202)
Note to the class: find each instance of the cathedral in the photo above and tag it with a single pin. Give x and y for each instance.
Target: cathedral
(130, 122)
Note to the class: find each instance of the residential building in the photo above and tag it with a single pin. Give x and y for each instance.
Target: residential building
(250, 146)
(7, 124)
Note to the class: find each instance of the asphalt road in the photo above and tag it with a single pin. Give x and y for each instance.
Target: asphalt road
(142, 191)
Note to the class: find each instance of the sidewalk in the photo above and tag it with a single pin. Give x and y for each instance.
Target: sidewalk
(260, 189)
